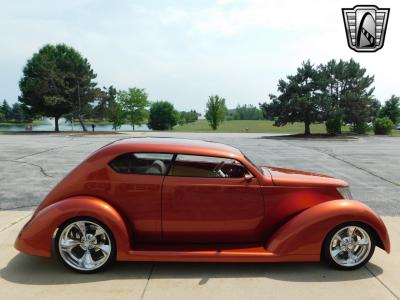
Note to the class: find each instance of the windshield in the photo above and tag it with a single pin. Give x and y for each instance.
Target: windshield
(251, 162)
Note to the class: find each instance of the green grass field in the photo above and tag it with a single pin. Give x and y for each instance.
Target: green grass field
(260, 126)
(255, 126)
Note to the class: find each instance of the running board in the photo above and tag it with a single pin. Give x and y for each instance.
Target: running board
(251, 254)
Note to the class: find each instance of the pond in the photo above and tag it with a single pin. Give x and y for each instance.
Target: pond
(48, 125)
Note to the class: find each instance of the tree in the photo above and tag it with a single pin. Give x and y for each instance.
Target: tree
(162, 116)
(17, 113)
(116, 115)
(300, 100)
(134, 103)
(57, 80)
(186, 117)
(245, 112)
(348, 92)
(391, 109)
(105, 99)
(6, 110)
(331, 92)
(215, 112)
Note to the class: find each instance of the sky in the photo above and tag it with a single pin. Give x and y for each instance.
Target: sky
(185, 51)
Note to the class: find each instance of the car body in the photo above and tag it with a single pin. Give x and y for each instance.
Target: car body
(166, 199)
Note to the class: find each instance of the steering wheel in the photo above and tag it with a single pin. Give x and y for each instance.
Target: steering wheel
(217, 170)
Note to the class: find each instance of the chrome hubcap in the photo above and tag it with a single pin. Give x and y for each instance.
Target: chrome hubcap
(84, 245)
(350, 246)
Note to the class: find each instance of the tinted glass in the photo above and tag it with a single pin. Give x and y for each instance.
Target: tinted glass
(142, 163)
(206, 166)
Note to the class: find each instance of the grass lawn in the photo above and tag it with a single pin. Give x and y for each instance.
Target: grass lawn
(395, 132)
(255, 126)
(34, 122)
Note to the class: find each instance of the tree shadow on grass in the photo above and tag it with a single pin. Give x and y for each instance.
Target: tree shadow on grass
(23, 269)
(314, 136)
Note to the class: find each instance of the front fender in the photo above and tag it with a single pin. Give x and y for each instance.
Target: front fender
(36, 236)
(304, 234)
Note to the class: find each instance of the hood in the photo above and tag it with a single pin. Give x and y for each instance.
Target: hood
(287, 177)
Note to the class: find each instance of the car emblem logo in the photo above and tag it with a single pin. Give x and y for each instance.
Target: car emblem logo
(365, 27)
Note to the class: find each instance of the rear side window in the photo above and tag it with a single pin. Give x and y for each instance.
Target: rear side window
(142, 163)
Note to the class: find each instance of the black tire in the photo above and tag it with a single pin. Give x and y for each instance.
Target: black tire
(326, 253)
(112, 255)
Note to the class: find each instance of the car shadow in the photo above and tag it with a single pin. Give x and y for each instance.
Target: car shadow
(23, 269)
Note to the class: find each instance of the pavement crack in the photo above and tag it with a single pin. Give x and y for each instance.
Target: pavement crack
(40, 152)
(15, 222)
(19, 207)
(356, 166)
(382, 283)
(42, 170)
(334, 156)
(147, 282)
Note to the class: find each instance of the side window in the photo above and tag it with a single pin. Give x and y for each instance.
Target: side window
(206, 166)
(142, 163)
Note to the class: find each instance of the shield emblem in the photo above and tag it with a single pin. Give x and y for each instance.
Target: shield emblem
(365, 27)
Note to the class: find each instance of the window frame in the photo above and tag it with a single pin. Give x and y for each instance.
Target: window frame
(177, 154)
(173, 159)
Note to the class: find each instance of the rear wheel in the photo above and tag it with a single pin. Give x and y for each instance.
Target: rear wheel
(349, 246)
(85, 245)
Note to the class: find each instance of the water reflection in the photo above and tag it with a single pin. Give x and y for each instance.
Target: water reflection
(63, 126)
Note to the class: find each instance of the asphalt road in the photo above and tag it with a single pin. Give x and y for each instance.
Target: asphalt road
(30, 165)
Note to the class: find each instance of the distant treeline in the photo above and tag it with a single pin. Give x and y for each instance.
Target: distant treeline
(244, 112)
(58, 81)
(13, 114)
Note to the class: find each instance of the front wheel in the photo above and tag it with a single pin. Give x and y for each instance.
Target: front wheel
(85, 245)
(349, 246)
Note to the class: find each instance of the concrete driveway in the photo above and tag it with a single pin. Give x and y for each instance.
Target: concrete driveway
(26, 277)
(30, 165)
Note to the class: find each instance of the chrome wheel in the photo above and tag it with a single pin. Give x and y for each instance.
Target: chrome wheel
(84, 245)
(350, 246)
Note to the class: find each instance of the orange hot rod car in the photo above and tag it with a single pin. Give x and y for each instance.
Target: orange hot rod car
(165, 199)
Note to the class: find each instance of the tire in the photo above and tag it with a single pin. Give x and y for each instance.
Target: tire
(85, 245)
(349, 246)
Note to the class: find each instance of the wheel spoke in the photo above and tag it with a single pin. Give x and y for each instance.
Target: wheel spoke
(362, 242)
(350, 231)
(99, 231)
(351, 256)
(336, 252)
(87, 260)
(338, 239)
(82, 228)
(104, 248)
(69, 244)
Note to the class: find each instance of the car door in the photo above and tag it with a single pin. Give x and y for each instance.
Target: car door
(138, 179)
(202, 205)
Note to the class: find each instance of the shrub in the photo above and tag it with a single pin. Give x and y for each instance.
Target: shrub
(334, 125)
(383, 125)
(360, 128)
(162, 116)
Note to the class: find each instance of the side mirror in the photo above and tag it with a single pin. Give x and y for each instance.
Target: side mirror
(248, 177)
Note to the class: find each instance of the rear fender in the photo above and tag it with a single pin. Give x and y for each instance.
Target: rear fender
(304, 234)
(36, 236)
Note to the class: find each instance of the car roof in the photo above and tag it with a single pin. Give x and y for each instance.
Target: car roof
(176, 145)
